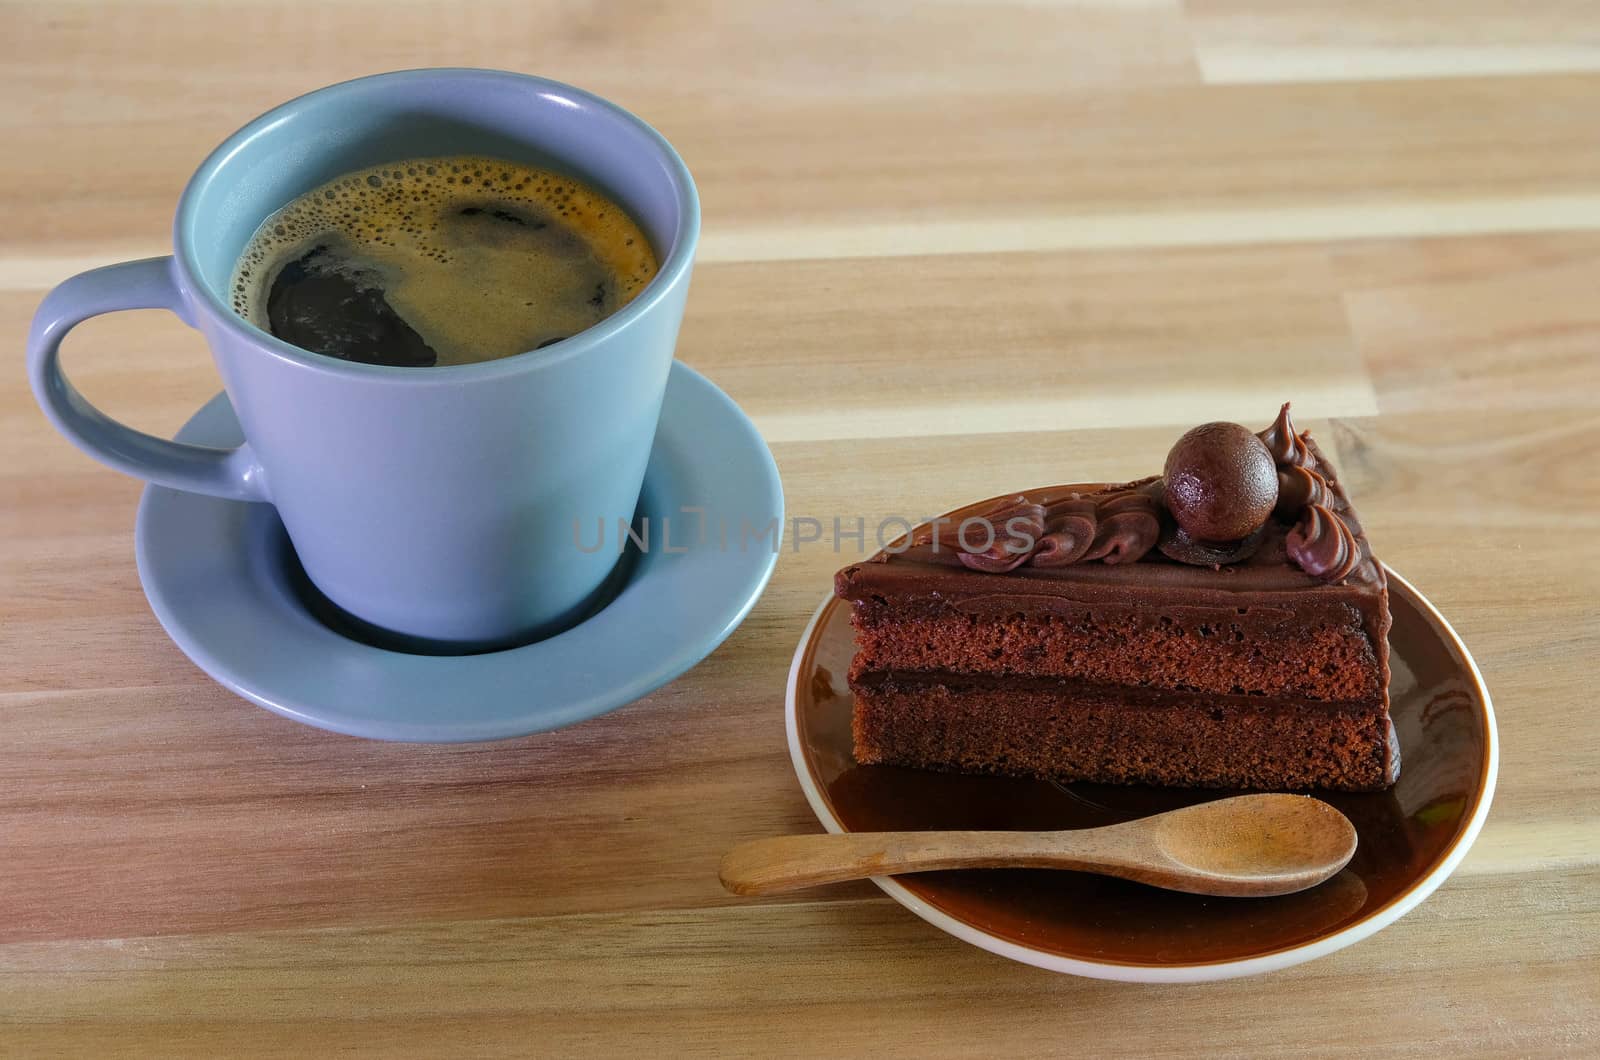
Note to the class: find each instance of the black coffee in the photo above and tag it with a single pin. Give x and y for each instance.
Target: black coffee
(440, 261)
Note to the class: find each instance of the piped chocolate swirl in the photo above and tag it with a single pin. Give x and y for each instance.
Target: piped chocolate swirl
(1129, 525)
(1299, 487)
(1069, 533)
(1322, 542)
(1117, 524)
(1222, 490)
(1322, 545)
(1287, 446)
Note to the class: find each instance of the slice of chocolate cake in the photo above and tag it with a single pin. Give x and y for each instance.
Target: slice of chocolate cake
(1223, 625)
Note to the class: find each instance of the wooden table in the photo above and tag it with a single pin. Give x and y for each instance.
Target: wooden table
(949, 247)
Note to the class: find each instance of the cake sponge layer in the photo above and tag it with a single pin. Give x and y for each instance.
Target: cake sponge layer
(1331, 660)
(1068, 731)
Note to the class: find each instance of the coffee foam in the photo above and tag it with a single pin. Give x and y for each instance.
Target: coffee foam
(474, 287)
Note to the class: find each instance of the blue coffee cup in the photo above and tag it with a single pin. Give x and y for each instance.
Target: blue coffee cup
(434, 504)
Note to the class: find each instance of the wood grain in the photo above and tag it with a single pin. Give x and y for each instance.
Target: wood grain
(808, 979)
(1240, 40)
(951, 248)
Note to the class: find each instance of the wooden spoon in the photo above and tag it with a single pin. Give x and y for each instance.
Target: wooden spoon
(1251, 845)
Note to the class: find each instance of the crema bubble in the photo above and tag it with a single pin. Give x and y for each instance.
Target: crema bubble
(441, 261)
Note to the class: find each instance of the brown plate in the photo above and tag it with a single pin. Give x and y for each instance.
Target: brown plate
(1411, 837)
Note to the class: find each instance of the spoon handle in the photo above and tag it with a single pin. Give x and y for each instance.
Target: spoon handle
(785, 863)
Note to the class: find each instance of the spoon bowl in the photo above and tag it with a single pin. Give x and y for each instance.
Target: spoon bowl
(1246, 846)
(1280, 843)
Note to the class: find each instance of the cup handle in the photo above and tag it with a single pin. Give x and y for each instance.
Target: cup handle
(148, 284)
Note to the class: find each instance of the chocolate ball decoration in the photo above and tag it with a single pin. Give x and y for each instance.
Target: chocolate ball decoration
(1221, 482)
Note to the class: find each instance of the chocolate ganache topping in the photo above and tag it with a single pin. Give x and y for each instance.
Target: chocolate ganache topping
(1222, 488)
(1287, 447)
(1001, 531)
(1129, 524)
(1322, 545)
(1113, 526)
(1323, 542)
(1069, 533)
(1177, 544)
(1299, 487)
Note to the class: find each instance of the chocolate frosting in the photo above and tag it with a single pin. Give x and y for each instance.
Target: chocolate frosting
(1287, 447)
(1326, 542)
(994, 541)
(1006, 529)
(1069, 533)
(1130, 525)
(1271, 586)
(1311, 526)
(1116, 525)
(1177, 544)
(1322, 545)
(1299, 486)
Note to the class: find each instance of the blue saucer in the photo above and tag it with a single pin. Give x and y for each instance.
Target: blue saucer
(222, 578)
